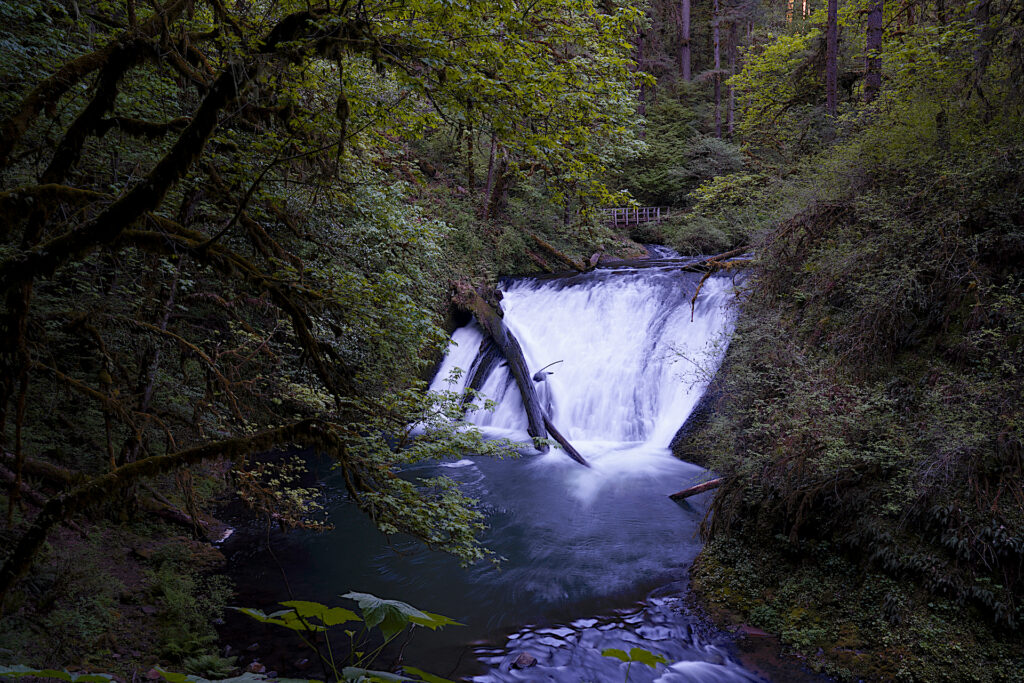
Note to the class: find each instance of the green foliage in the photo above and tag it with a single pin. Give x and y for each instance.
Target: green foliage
(69, 607)
(250, 247)
(867, 425)
(678, 157)
(189, 602)
(210, 665)
(390, 617)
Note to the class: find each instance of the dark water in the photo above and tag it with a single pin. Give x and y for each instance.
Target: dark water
(591, 558)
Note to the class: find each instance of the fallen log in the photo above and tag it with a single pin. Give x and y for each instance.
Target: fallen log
(490, 320)
(710, 264)
(694, 490)
(482, 366)
(52, 474)
(564, 443)
(578, 266)
(489, 317)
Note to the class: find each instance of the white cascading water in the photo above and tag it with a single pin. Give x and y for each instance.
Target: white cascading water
(630, 363)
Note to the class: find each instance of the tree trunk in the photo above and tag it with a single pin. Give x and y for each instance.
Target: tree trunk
(490, 174)
(694, 490)
(642, 110)
(499, 186)
(873, 62)
(731, 112)
(718, 73)
(684, 42)
(831, 55)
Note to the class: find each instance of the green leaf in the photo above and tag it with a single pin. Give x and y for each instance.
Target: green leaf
(352, 673)
(288, 618)
(429, 678)
(647, 657)
(175, 677)
(615, 652)
(390, 615)
(434, 621)
(329, 616)
(19, 670)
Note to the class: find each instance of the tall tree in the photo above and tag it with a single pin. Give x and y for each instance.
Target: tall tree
(731, 113)
(873, 60)
(831, 56)
(718, 70)
(684, 40)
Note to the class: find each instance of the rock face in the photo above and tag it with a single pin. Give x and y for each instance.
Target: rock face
(524, 661)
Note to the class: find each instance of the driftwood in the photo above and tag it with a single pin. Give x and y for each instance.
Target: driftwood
(709, 266)
(489, 317)
(694, 490)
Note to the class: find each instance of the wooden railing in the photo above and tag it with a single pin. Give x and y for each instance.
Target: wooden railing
(642, 214)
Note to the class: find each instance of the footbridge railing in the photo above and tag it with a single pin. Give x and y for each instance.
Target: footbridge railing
(635, 215)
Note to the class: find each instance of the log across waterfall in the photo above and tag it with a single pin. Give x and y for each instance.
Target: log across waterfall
(539, 424)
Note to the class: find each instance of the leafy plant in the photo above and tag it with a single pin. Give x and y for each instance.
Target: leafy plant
(636, 654)
(391, 617)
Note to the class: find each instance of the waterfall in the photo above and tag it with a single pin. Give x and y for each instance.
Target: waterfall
(630, 363)
(591, 558)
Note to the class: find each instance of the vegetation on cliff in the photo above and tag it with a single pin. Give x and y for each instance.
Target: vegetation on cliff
(868, 423)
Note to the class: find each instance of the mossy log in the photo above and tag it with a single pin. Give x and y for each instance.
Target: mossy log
(490, 320)
(578, 266)
(489, 317)
(694, 490)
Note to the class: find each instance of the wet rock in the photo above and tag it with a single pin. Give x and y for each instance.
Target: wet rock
(153, 675)
(253, 647)
(302, 664)
(524, 661)
(149, 609)
(256, 667)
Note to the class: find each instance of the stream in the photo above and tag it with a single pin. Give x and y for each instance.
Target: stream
(592, 558)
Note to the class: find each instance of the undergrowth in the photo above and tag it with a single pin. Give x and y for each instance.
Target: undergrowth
(869, 426)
